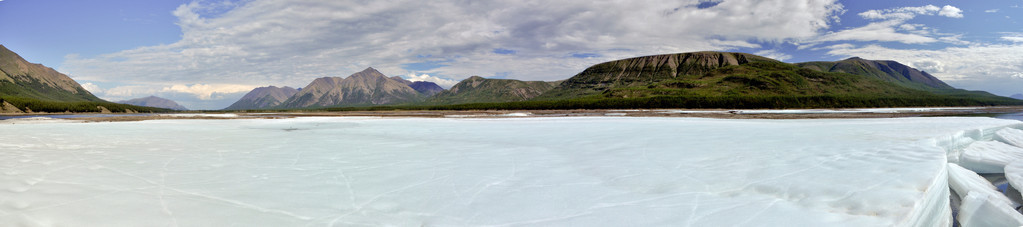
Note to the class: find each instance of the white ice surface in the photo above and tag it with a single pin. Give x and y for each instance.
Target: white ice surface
(596, 171)
(964, 181)
(223, 115)
(826, 111)
(1010, 136)
(989, 156)
(1014, 174)
(980, 210)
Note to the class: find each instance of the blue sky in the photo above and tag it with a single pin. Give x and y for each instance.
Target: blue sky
(207, 54)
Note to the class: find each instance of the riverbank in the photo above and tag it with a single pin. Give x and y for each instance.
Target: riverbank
(699, 113)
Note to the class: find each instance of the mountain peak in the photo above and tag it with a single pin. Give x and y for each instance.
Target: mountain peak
(368, 86)
(886, 70)
(370, 70)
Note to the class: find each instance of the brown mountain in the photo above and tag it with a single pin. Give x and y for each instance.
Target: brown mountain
(263, 98)
(891, 71)
(19, 78)
(369, 87)
(153, 101)
(477, 89)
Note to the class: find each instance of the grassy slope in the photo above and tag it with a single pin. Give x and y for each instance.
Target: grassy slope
(481, 90)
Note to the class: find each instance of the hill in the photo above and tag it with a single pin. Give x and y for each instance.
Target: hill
(890, 71)
(641, 71)
(477, 89)
(738, 80)
(28, 87)
(153, 101)
(368, 87)
(19, 78)
(263, 98)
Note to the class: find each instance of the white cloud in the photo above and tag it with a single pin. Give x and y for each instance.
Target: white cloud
(443, 82)
(777, 55)
(93, 88)
(292, 42)
(892, 26)
(906, 13)
(884, 31)
(951, 11)
(206, 91)
(991, 11)
(903, 13)
(1016, 39)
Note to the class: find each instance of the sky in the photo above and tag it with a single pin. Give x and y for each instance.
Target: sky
(205, 54)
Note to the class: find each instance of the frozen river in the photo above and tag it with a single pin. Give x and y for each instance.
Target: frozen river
(592, 171)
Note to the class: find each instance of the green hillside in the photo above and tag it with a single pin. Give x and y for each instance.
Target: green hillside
(27, 86)
(482, 90)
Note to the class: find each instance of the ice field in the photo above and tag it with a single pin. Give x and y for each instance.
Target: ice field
(585, 171)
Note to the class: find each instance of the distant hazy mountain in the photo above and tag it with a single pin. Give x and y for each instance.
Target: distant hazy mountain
(153, 101)
(368, 87)
(426, 88)
(19, 78)
(1017, 96)
(423, 87)
(891, 71)
(477, 89)
(263, 98)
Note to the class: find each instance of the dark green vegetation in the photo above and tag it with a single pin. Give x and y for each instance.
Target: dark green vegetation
(26, 86)
(37, 105)
(723, 80)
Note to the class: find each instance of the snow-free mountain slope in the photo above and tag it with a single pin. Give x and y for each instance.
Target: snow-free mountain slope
(368, 87)
(885, 70)
(19, 78)
(477, 89)
(263, 98)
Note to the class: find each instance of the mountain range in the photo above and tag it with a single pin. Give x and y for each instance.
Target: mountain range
(153, 101)
(683, 80)
(688, 80)
(368, 87)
